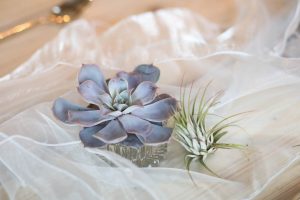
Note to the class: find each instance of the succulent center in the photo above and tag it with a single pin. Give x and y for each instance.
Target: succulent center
(121, 100)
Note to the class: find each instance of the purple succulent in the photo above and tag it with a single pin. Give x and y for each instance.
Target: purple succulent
(124, 109)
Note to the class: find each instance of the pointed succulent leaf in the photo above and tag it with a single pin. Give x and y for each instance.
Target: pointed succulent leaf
(117, 85)
(120, 99)
(161, 97)
(61, 107)
(91, 92)
(88, 118)
(134, 125)
(132, 78)
(86, 136)
(112, 133)
(115, 114)
(158, 111)
(124, 95)
(144, 93)
(106, 100)
(92, 72)
(121, 107)
(131, 108)
(148, 72)
(156, 135)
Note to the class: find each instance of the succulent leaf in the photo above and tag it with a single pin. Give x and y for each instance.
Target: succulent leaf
(148, 72)
(130, 109)
(86, 136)
(61, 107)
(111, 133)
(116, 86)
(134, 125)
(156, 135)
(88, 118)
(106, 100)
(91, 92)
(92, 72)
(133, 79)
(124, 108)
(158, 111)
(144, 93)
(161, 97)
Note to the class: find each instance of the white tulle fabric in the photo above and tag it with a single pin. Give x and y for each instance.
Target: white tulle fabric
(255, 62)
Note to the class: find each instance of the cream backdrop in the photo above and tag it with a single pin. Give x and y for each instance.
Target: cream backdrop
(255, 62)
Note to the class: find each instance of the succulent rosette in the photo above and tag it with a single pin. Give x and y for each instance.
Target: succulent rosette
(123, 109)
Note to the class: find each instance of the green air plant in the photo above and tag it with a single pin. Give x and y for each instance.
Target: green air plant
(194, 134)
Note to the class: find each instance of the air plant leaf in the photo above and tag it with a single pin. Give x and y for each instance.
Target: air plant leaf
(194, 134)
(188, 160)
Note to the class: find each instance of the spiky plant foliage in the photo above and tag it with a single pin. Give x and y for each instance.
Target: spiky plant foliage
(192, 131)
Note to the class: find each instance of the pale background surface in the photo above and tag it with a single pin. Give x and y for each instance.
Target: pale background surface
(16, 50)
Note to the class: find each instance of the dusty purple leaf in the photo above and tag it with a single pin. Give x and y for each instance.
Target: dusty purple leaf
(144, 93)
(91, 92)
(135, 125)
(112, 133)
(61, 107)
(132, 79)
(148, 72)
(106, 100)
(161, 97)
(116, 113)
(86, 136)
(88, 118)
(92, 72)
(131, 108)
(117, 85)
(121, 107)
(158, 111)
(157, 135)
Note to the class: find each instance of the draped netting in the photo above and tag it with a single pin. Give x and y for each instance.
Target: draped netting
(255, 62)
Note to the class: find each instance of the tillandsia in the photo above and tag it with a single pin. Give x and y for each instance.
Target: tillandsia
(124, 109)
(192, 130)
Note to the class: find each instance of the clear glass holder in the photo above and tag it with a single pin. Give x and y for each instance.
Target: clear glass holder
(143, 156)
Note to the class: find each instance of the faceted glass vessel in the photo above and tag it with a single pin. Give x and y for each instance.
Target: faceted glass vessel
(142, 156)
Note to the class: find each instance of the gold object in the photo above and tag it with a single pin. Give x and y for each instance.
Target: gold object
(60, 14)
